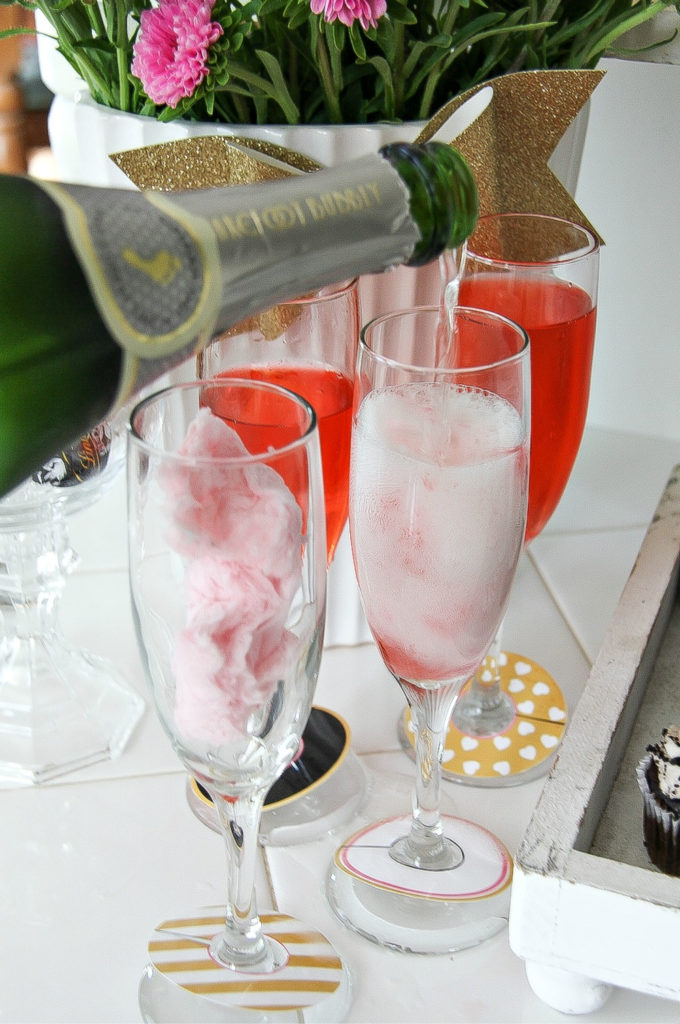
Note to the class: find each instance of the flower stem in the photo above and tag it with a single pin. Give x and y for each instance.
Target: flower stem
(398, 76)
(327, 82)
(96, 20)
(122, 55)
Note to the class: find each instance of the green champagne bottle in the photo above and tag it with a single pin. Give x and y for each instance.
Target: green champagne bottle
(102, 291)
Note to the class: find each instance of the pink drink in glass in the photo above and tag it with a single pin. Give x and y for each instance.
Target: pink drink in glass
(438, 486)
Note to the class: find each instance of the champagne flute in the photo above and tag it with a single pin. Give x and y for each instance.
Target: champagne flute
(227, 569)
(308, 345)
(438, 490)
(542, 272)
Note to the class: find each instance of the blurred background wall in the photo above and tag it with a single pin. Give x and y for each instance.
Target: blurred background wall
(629, 188)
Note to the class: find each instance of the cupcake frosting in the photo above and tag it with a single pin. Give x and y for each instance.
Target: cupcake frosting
(666, 757)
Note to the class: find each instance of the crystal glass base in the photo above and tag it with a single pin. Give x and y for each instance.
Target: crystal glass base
(182, 982)
(60, 709)
(474, 720)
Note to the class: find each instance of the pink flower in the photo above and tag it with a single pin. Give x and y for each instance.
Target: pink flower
(366, 12)
(171, 51)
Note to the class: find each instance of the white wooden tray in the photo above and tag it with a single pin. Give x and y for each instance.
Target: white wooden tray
(588, 908)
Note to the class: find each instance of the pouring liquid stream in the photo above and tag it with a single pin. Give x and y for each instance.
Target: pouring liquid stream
(486, 687)
(452, 264)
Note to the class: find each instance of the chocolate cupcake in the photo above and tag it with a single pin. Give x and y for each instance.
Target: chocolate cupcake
(659, 780)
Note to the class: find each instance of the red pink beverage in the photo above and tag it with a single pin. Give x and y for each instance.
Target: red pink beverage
(560, 321)
(330, 394)
(435, 549)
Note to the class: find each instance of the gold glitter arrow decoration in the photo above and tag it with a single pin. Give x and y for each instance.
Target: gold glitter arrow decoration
(209, 161)
(509, 144)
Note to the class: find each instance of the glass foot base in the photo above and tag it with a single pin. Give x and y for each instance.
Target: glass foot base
(182, 982)
(524, 750)
(322, 790)
(60, 710)
(473, 720)
(415, 910)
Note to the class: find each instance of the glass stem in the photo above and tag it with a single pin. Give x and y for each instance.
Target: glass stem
(426, 845)
(485, 688)
(242, 945)
(485, 709)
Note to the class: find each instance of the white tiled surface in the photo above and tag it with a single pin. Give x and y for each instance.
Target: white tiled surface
(89, 865)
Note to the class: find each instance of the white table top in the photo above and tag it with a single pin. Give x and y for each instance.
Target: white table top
(91, 863)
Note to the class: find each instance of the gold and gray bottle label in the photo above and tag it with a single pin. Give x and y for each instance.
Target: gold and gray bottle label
(168, 270)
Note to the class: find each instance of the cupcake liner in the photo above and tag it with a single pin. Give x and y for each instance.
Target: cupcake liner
(661, 827)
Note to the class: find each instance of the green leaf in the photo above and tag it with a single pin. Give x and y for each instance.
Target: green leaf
(399, 13)
(337, 34)
(297, 19)
(357, 41)
(624, 23)
(385, 73)
(442, 43)
(275, 89)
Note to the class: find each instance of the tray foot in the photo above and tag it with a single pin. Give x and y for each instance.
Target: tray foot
(566, 991)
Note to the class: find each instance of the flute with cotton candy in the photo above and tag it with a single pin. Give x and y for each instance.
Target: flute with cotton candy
(228, 584)
(239, 530)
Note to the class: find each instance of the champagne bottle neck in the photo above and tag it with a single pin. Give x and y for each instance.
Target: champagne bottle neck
(443, 195)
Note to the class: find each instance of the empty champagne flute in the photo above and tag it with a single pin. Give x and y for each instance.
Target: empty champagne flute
(228, 573)
(438, 490)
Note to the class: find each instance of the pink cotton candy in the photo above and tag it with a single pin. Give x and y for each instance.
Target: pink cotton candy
(209, 436)
(238, 529)
(233, 652)
(244, 511)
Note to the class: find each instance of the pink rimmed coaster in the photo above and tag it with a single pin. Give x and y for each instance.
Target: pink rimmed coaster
(485, 871)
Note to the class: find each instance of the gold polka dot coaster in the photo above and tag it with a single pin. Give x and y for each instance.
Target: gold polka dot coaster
(521, 751)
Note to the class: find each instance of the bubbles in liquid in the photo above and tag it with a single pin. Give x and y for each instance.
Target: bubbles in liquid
(439, 478)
